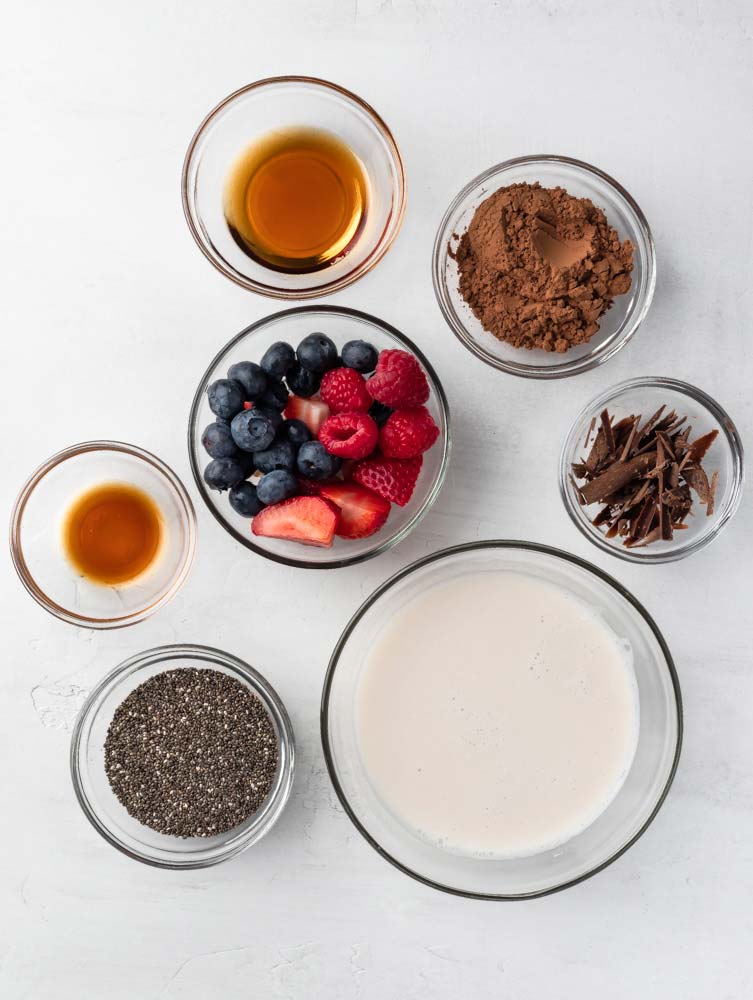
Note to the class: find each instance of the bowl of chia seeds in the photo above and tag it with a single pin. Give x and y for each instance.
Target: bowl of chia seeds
(182, 757)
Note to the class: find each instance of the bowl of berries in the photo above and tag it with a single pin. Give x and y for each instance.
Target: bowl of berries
(319, 436)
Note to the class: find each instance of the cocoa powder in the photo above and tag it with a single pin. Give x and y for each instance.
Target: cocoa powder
(539, 267)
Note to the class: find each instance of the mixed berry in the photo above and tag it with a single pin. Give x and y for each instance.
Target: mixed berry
(313, 444)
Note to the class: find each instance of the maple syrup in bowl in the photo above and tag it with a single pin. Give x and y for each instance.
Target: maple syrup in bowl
(296, 200)
(293, 187)
(103, 534)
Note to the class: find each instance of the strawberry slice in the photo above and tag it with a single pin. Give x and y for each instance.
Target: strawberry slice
(311, 520)
(313, 412)
(362, 512)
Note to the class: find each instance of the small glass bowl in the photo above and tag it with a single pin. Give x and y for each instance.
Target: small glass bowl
(644, 396)
(284, 102)
(102, 808)
(36, 543)
(342, 325)
(612, 833)
(617, 325)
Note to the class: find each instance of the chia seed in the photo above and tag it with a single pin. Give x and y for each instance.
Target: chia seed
(191, 753)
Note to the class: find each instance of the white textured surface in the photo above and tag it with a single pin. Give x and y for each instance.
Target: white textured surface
(110, 315)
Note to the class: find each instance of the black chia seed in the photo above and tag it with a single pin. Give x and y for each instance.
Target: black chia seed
(191, 752)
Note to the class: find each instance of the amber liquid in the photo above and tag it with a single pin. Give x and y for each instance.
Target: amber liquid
(112, 533)
(296, 200)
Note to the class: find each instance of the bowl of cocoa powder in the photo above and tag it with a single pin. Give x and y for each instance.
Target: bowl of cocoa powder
(544, 266)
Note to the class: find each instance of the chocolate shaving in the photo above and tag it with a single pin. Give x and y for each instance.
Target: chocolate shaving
(712, 491)
(648, 426)
(697, 479)
(618, 475)
(630, 439)
(643, 476)
(701, 445)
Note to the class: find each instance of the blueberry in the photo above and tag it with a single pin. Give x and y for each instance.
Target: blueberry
(295, 431)
(303, 382)
(246, 460)
(252, 431)
(225, 397)
(275, 395)
(244, 501)
(317, 353)
(276, 486)
(379, 412)
(360, 355)
(218, 441)
(278, 359)
(222, 473)
(280, 455)
(250, 376)
(315, 462)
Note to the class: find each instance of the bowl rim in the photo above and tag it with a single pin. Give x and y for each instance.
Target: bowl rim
(16, 521)
(387, 237)
(682, 549)
(238, 668)
(596, 356)
(319, 310)
(436, 557)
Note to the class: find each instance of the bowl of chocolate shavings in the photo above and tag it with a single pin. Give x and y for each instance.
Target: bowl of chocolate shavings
(652, 470)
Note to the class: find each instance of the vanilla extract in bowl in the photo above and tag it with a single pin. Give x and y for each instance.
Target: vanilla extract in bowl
(296, 200)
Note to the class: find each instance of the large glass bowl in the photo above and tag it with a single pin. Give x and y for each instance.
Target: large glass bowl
(36, 535)
(645, 396)
(342, 325)
(290, 102)
(98, 801)
(617, 325)
(612, 833)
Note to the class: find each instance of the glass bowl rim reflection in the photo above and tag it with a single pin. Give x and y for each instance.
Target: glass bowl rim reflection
(596, 355)
(205, 657)
(407, 571)
(386, 238)
(16, 545)
(389, 540)
(721, 516)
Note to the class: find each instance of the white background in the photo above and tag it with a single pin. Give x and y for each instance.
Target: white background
(110, 315)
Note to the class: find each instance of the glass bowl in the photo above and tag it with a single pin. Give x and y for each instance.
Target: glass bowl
(341, 325)
(101, 807)
(36, 526)
(276, 103)
(645, 396)
(612, 833)
(617, 325)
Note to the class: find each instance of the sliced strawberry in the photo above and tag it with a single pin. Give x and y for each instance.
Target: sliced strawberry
(313, 412)
(311, 520)
(392, 478)
(362, 512)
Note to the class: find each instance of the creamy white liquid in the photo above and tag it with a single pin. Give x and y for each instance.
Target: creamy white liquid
(497, 715)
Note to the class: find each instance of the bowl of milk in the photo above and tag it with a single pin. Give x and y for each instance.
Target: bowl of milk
(501, 720)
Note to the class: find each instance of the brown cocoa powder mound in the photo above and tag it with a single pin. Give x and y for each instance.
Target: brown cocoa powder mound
(539, 267)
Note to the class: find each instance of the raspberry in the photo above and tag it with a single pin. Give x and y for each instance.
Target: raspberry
(408, 433)
(344, 391)
(392, 478)
(398, 380)
(349, 435)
